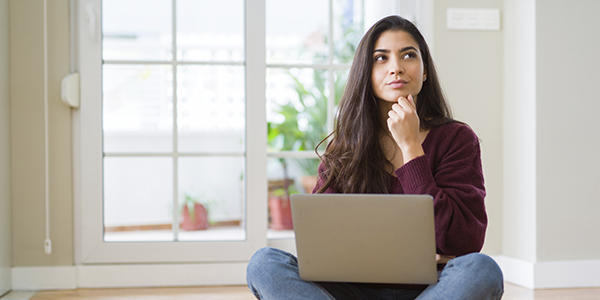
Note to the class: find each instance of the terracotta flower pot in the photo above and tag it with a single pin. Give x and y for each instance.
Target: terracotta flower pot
(280, 212)
(200, 220)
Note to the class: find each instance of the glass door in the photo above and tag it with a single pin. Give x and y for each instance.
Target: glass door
(173, 112)
(167, 131)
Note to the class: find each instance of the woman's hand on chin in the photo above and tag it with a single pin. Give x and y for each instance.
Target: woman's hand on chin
(404, 125)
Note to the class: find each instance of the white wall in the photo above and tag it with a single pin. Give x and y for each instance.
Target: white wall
(568, 140)
(551, 135)
(470, 68)
(551, 144)
(519, 222)
(5, 207)
(528, 92)
(27, 143)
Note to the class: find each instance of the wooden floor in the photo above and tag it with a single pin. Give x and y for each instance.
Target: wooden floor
(512, 292)
(187, 293)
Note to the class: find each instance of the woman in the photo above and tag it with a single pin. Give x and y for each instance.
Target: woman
(395, 134)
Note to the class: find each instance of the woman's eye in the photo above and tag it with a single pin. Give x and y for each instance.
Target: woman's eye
(379, 58)
(409, 55)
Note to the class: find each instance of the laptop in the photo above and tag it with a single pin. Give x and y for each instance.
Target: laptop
(365, 238)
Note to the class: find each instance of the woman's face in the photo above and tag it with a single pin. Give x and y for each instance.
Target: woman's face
(398, 68)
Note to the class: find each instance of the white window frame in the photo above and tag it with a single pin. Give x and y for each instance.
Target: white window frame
(90, 247)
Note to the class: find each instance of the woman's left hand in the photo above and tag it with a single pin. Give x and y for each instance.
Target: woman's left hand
(403, 122)
(443, 259)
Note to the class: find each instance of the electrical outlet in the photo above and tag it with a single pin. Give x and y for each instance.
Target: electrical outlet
(472, 19)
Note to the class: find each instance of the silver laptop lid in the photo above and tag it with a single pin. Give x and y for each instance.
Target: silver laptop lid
(365, 238)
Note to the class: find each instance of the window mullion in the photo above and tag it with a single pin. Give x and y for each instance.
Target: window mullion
(256, 122)
(330, 77)
(292, 154)
(175, 226)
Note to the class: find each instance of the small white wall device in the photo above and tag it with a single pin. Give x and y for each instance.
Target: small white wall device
(70, 90)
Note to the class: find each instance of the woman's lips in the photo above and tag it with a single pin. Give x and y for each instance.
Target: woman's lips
(396, 84)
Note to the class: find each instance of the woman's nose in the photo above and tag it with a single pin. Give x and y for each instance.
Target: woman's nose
(396, 72)
(396, 68)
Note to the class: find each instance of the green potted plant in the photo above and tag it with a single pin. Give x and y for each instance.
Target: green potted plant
(290, 136)
(311, 108)
(195, 213)
(280, 211)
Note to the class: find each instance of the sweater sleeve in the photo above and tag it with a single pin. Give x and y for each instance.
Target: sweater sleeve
(457, 186)
(321, 181)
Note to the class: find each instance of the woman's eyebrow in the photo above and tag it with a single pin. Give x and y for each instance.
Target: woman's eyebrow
(401, 50)
(381, 50)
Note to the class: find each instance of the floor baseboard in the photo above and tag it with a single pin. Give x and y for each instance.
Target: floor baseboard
(550, 274)
(531, 275)
(111, 276)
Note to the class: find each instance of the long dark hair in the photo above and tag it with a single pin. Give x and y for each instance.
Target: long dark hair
(354, 161)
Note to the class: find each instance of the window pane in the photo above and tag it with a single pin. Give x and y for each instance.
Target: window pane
(138, 198)
(210, 30)
(297, 31)
(211, 108)
(347, 29)
(341, 78)
(136, 30)
(296, 108)
(137, 108)
(217, 183)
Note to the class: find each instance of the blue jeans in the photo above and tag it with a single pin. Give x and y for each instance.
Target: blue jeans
(273, 274)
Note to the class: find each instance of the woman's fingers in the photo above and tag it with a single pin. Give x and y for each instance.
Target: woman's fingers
(407, 102)
(396, 111)
(412, 101)
(402, 109)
